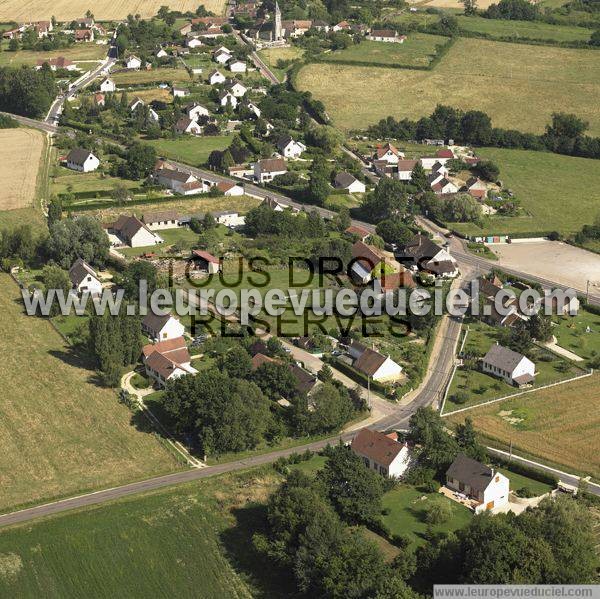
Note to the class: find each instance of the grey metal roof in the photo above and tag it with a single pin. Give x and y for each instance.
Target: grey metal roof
(470, 472)
(502, 357)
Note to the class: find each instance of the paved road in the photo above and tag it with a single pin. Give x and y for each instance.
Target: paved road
(41, 125)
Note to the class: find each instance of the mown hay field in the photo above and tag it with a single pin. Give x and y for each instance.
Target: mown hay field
(192, 540)
(13, 10)
(518, 85)
(559, 424)
(60, 434)
(21, 151)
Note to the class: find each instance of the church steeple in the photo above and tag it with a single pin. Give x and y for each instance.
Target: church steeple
(277, 24)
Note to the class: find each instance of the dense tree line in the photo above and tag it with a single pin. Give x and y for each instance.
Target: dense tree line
(514, 10)
(263, 220)
(26, 91)
(564, 135)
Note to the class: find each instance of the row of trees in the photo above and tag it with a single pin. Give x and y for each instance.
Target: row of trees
(564, 135)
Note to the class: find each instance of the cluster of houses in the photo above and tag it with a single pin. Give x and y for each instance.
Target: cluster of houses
(477, 486)
(86, 30)
(388, 161)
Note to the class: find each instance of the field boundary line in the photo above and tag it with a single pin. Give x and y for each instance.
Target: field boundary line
(453, 372)
(519, 393)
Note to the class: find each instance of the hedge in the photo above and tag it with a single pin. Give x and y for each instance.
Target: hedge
(528, 471)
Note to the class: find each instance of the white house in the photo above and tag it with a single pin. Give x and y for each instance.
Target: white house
(84, 278)
(477, 481)
(228, 188)
(222, 55)
(344, 180)
(441, 156)
(189, 126)
(237, 66)
(216, 77)
(389, 153)
(382, 453)
(205, 261)
(161, 53)
(252, 108)
(236, 87)
(422, 253)
(133, 62)
(131, 231)
(443, 186)
(377, 367)
(227, 99)
(153, 115)
(179, 182)
(167, 360)
(59, 62)
(268, 168)
(193, 42)
(230, 219)
(405, 169)
(82, 160)
(386, 35)
(194, 111)
(365, 260)
(108, 85)
(162, 327)
(289, 148)
(159, 221)
(180, 92)
(511, 366)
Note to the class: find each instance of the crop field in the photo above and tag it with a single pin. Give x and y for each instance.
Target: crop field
(518, 85)
(524, 29)
(189, 149)
(77, 53)
(559, 425)
(417, 50)
(557, 192)
(193, 540)
(21, 152)
(60, 433)
(163, 75)
(104, 10)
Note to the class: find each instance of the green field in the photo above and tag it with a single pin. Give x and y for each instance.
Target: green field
(271, 56)
(191, 150)
(557, 192)
(524, 29)
(518, 481)
(193, 540)
(64, 180)
(518, 85)
(79, 52)
(572, 334)
(417, 50)
(558, 425)
(60, 433)
(166, 75)
(407, 506)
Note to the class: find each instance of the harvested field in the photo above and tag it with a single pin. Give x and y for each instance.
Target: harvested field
(495, 77)
(559, 424)
(13, 10)
(166, 75)
(21, 151)
(78, 53)
(60, 433)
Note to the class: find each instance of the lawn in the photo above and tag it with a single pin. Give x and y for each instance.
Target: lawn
(193, 540)
(417, 50)
(481, 387)
(64, 180)
(499, 28)
(76, 53)
(572, 333)
(557, 192)
(518, 481)
(271, 56)
(518, 85)
(407, 507)
(60, 433)
(163, 75)
(183, 237)
(189, 149)
(559, 425)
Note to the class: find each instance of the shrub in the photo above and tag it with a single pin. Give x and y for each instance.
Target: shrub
(460, 397)
(437, 513)
(525, 492)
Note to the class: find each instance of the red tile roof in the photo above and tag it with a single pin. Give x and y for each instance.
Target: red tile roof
(377, 446)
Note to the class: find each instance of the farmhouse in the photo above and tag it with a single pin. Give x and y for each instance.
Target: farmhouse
(133, 62)
(477, 481)
(108, 85)
(267, 169)
(349, 182)
(377, 367)
(216, 77)
(342, 26)
(422, 253)
(511, 366)
(405, 169)
(367, 262)
(187, 125)
(228, 188)
(84, 278)
(167, 360)
(362, 233)
(160, 327)
(178, 181)
(289, 148)
(158, 221)
(131, 231)
(441, 156)
(60, 62)
(82, 160)
(386, 35)
(382, 453)
(205, 261)
(295, 28)
(84, 35)
(476, 188)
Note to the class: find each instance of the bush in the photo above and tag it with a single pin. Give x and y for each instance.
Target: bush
(430, 486)
(460, 397)
(437, 513)
(525, 492)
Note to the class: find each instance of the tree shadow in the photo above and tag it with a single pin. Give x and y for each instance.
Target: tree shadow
(270, 580)
(73, 356)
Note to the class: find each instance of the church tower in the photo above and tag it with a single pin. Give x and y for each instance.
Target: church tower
(277, 25)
